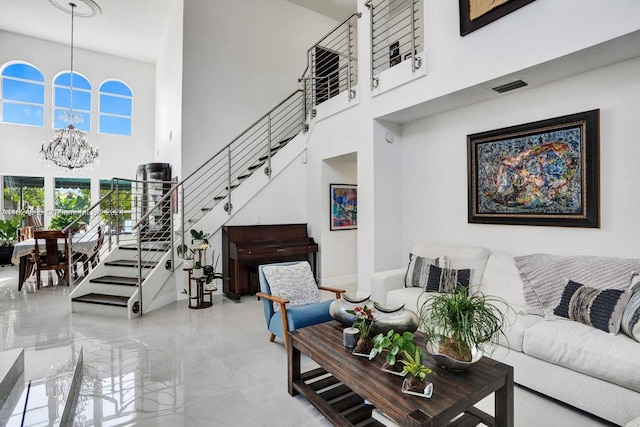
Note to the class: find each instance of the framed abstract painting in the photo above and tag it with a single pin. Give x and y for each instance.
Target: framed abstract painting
(344, 206)
(540, 173)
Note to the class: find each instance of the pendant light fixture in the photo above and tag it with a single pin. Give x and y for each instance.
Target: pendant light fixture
(69, 149)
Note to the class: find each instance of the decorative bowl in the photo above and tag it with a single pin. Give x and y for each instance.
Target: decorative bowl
(447, 362)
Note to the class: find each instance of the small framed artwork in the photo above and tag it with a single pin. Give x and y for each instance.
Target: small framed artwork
(540, 173)
(394, 54)
(475, 14)
(344, 206)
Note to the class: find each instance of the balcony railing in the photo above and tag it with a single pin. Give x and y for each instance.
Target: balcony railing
(396, 35)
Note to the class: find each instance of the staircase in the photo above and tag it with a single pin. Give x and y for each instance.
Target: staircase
(135, 271)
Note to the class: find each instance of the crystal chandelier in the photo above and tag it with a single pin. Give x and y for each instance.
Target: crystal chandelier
(69, 148)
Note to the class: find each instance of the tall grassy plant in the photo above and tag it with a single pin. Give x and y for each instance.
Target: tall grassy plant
(461, 322)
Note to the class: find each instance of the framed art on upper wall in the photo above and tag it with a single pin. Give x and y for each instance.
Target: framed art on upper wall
(540, 173)
(475, 14)
(344, 206)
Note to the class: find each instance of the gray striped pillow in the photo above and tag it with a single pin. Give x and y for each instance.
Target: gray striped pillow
(631, 315)
(418, 270)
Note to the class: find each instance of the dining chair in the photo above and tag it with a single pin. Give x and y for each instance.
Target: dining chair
(25, 233)
(51, 258)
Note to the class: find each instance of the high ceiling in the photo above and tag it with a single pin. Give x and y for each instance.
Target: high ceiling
(128, 28)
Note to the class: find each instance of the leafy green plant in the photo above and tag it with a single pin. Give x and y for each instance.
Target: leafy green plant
(364, 320)
(184, 252)
(9, 230)
(61, 221)
(461, 322)
(395, 344)
(413, 366)
(200, 235)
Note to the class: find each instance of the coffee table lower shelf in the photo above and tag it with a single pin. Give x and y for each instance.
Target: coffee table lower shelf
(335, 400)
(343, 407)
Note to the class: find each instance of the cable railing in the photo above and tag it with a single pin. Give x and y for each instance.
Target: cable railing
(332, 65)
(152, 222)
(396, 35)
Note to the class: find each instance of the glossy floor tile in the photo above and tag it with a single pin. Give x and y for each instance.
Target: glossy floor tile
(175, 366)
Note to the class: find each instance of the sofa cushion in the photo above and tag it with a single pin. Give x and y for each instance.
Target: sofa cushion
(502, 278)
(575, 346)
(458, 257)
(631, 316)
(514, 333)
(418, 270)
(447, 280)
(601, 309)
(294, 282)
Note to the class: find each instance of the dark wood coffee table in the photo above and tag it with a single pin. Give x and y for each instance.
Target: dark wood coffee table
(339, 387)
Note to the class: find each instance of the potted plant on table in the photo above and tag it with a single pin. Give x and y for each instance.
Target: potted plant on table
(417, 382)
(364, 322)
(458, 325)
(396, 345)
(199, 238)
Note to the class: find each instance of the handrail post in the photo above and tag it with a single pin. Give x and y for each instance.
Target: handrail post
(171, 232)
(369, 4)
(182, 214)
(349, 54)
(110, 216)
(268, 170)
(71, 262)
(413, 37)
(139, 251)
(117, 221)
(229, 206)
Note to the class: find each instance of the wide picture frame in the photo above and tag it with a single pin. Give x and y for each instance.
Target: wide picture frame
(343, 207)
(540, 173)
(485, 12)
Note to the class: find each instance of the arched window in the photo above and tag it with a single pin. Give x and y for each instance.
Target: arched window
(116, 107)
(62, 101)
(22, 94)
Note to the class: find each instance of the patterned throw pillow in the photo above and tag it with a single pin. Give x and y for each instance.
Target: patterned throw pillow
(600, 308)
(418, 270)
(446, 280)
(294, 282)
(631, 315)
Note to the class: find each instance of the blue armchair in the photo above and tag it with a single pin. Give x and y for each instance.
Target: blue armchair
(290, 318)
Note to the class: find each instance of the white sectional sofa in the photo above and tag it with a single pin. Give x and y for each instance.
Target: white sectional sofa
(587, 368)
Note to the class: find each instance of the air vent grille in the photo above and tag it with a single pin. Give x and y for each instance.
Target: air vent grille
(510, 86)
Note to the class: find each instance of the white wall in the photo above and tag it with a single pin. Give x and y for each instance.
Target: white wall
(119, 155)
(240, 59)
(415, 188)
(434, 162)
(168, 124)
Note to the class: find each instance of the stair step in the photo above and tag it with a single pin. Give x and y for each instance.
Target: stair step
(245, 176)
(254, 167)
(116, 280)
(220, 197)
(130, 263)
(148, 246)
(103, 299)
(206, 209)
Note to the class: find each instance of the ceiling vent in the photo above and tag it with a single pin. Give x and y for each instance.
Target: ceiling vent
(510, 86)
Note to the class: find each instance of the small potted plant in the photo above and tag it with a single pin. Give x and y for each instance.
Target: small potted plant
(395, 344)
(186, 254)
(211, 273)
(416, 383)
(199, 238)
(457, 325)
(364, 322)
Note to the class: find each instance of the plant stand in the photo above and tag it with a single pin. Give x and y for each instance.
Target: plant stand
(197, 293)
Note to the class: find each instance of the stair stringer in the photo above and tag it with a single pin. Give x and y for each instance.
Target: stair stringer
(251, 186)
(155, 280)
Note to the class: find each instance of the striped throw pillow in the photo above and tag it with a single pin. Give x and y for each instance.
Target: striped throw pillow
(447, 280)
(631, 315)
(600, 308)
(418, 270)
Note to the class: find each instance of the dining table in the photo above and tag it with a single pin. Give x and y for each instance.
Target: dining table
(82, 242)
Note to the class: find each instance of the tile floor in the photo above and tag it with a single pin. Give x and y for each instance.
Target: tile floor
(175, 366)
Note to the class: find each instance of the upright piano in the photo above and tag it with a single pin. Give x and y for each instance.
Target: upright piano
(245, 247)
